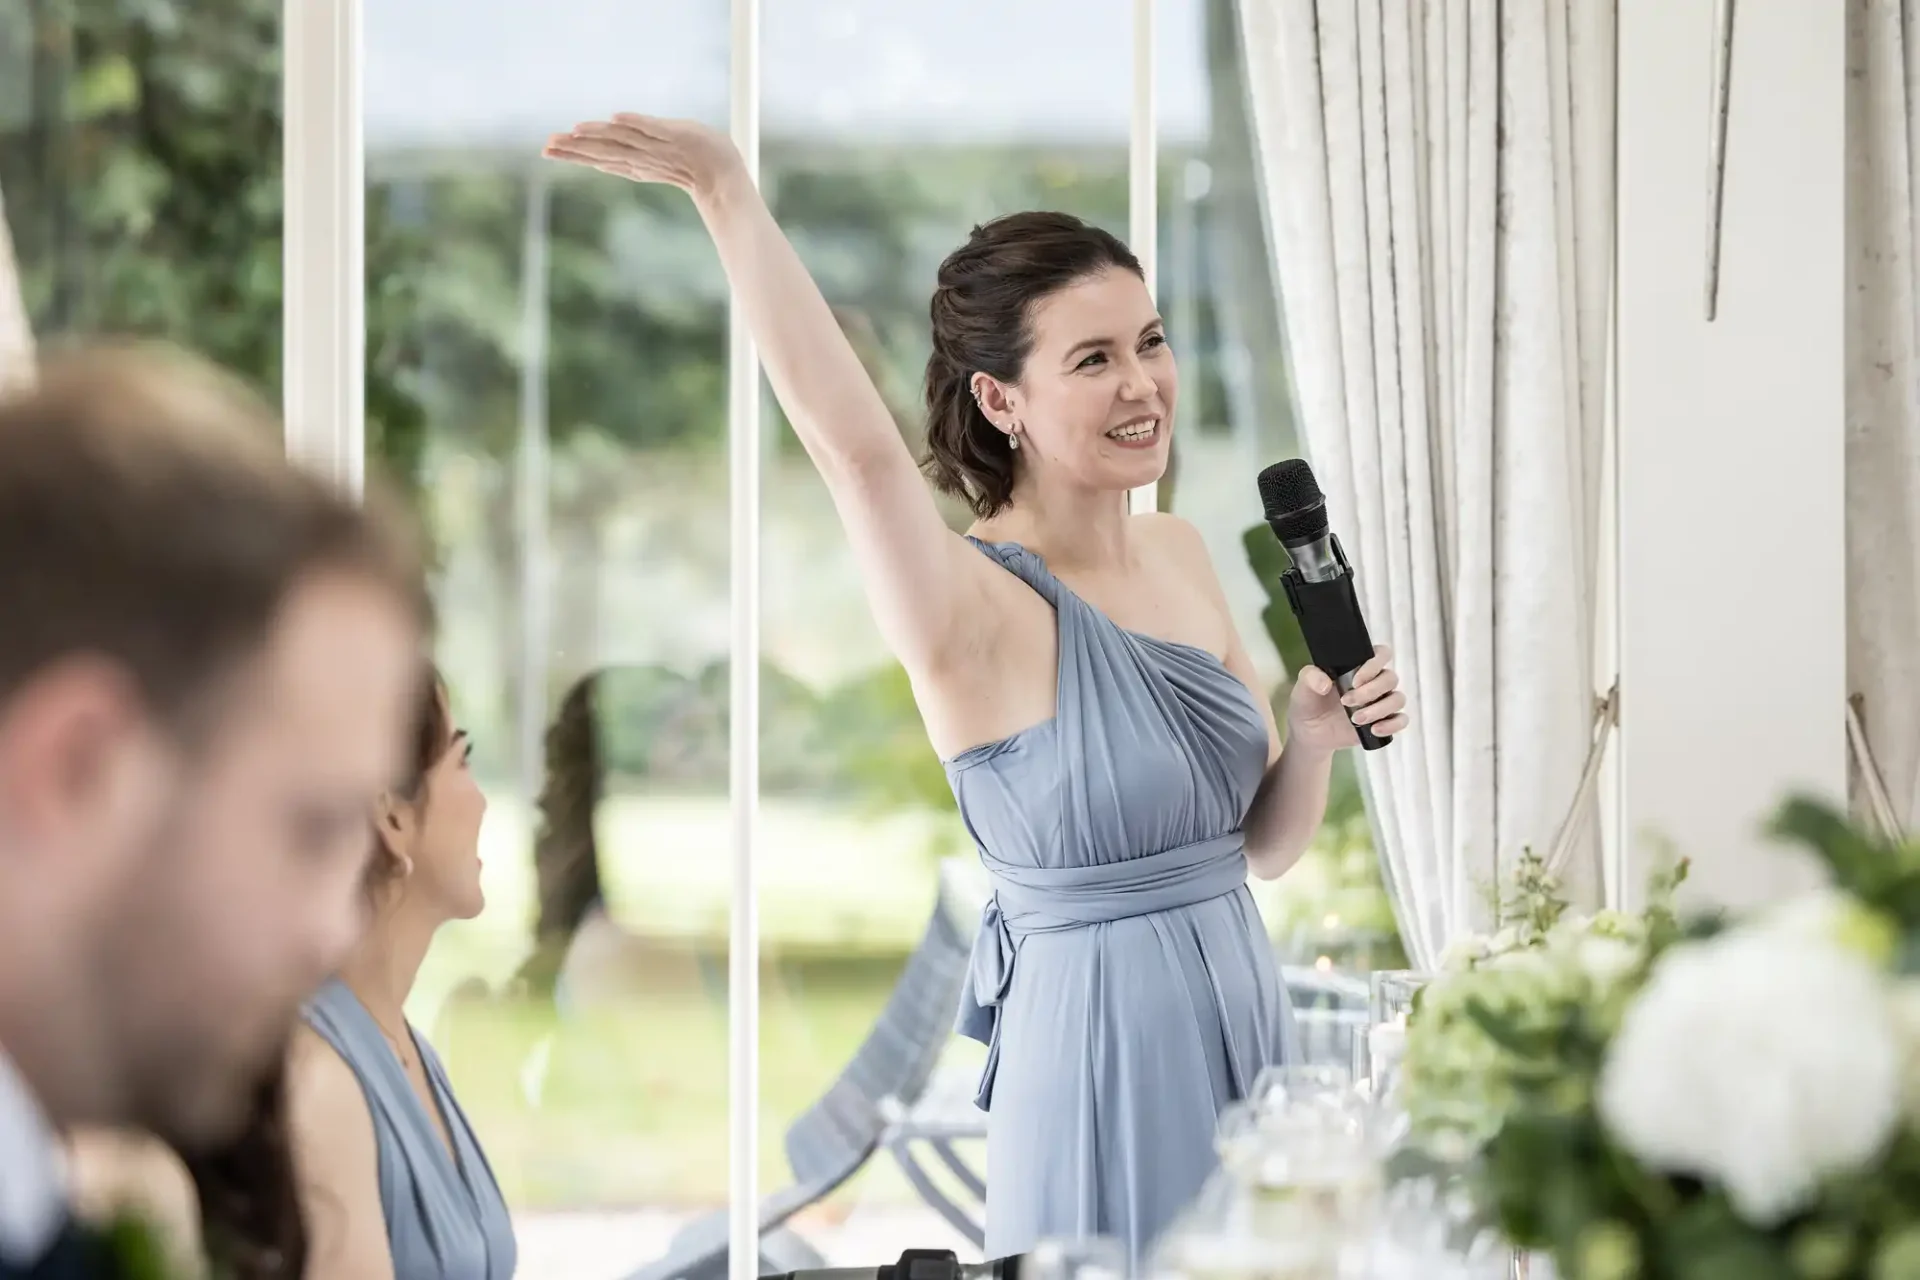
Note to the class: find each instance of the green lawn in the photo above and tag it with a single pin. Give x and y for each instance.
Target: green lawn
(832, 881)
(631, 1106)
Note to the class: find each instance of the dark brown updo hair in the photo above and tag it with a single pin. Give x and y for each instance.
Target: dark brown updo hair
(982, 314)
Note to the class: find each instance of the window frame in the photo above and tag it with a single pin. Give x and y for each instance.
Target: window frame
(324, 309)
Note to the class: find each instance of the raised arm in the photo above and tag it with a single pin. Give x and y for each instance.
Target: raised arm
(922, 580)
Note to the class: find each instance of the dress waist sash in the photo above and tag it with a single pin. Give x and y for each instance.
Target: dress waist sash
(1029, 900)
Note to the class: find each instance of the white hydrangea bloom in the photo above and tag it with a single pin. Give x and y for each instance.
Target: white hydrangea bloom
(1759, 1060)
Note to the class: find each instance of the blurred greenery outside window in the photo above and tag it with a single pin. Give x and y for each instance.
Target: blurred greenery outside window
(140, 164)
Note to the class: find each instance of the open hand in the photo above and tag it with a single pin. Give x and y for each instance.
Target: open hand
(681, 153)
(1317, 713)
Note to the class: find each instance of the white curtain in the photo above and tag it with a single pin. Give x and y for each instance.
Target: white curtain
(16, 335)
(1883, 398)
(1439, 183)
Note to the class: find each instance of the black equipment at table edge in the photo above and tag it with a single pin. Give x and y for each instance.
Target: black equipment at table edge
(916, 1264)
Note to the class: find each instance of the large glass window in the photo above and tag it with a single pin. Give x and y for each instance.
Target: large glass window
(884, 142)
(547, 374)
(547, 369)
(552, 382)
(140, 168)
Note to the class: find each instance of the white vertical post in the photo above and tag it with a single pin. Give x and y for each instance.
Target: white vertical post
(533, 478)
(743, 729)
(1143, 187)
(323, 176)
(16, 330)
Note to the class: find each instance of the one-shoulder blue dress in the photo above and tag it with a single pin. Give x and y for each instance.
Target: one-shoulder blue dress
(1122, 978)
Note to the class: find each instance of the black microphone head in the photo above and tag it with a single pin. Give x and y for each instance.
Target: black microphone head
(1291, 497)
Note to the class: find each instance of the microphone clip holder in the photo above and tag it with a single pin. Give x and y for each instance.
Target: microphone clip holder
(1291, 579)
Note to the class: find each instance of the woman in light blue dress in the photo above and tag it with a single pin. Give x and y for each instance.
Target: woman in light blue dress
(358, 1162)
(1078, 671)
(393, 1180)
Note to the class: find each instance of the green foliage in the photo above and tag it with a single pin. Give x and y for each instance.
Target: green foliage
(1882, 875)
(636, 310)
(872, 227)
(861, 741)
(888, 757)
(1555, 1180)
(1665, 926)
(1506, 1045)
(1532, 902)
(144, 196)
(134, 1245)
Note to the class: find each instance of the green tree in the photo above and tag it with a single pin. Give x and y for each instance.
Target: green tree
(144, 191)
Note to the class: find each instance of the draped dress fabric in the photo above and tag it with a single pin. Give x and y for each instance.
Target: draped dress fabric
(446, 1219)
(1122, 979)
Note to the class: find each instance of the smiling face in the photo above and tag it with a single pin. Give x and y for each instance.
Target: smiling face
(1095, 400)
(1049, 367)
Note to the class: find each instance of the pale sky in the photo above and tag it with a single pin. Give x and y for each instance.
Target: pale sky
(494, 72)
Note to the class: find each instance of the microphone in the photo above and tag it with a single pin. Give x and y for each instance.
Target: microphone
(1319, 582)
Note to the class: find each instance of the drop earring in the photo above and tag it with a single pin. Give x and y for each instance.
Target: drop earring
(1013, 436)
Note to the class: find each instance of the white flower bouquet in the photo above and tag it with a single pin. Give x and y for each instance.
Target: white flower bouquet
(1480, 1031)
(1651, 1097)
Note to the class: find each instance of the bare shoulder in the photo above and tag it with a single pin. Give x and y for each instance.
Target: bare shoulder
(1166, 530)
(329, 1119)
(336, 1162)
(322, 1090)
(1179, 542)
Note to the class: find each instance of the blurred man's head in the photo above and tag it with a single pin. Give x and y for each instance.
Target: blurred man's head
(208, 663)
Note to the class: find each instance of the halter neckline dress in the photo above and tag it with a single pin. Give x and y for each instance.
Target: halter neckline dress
(1122, 979)
(446, 1219)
